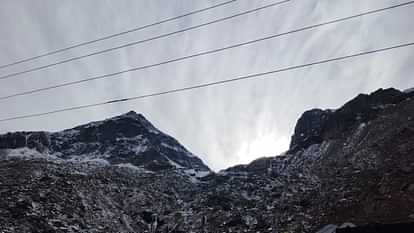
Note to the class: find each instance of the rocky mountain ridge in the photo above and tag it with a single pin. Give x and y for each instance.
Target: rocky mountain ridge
(354, 164)
(125, 139)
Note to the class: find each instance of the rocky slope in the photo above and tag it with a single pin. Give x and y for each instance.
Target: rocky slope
(354, 164)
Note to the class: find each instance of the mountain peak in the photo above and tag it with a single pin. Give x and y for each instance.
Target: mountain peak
(132, 112)
(131, 115)
(128, 125)
(316, 125)
(128, 138)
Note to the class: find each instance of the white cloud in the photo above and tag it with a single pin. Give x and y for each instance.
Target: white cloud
(224, 125)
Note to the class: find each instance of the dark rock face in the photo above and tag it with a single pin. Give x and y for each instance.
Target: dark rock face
(317, 125)
(34, 140)
(309, 129)
(354, 164)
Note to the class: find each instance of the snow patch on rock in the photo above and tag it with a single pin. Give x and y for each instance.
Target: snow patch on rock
(133, 167)
(177, 148)
(409, 90)
(25, 153)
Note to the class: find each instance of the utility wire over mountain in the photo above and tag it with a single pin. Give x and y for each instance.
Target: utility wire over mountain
(209, 84)
(115, 34)
(142, 41)
(205, 52)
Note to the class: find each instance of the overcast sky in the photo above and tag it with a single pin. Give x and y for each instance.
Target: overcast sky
(225, 125)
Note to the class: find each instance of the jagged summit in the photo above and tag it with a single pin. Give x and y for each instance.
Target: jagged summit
(132, 116)
(127, 125)
(129, 138)
(316, 125)
(309, 129)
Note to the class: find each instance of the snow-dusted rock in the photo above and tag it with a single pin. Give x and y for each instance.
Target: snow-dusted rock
(128, 138)
(353, 164)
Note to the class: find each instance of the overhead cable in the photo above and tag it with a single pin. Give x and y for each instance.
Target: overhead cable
(7, 76)
(114, 35)
(209, 84)
(104, 76)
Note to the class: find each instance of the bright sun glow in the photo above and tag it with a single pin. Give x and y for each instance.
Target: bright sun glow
(267, 145)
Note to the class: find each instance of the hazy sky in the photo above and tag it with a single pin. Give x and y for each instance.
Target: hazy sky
(224, 125)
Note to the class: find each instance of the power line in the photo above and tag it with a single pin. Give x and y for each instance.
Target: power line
(204, 53)
(115, 35)
(204, 85)
(141, 41)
